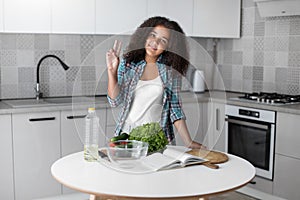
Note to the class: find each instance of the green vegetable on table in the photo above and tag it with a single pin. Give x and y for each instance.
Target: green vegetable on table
(151, 133)
(123, 136)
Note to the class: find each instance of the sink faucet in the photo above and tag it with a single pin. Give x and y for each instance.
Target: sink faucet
(38, 94)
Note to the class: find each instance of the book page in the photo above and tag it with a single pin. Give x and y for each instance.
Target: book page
(158, 161)
(185, 158)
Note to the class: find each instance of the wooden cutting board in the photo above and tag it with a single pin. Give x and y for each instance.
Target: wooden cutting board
(213, 157)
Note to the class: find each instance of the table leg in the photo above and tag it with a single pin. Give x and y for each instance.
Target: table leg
(92, 197)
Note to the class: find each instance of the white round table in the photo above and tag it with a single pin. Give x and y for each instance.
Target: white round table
(194, 181)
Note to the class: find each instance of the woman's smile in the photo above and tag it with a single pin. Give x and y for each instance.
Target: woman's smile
(153, 46)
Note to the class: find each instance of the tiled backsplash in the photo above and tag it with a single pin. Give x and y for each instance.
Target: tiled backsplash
(20, 53)
(85, 54)
(266, 57)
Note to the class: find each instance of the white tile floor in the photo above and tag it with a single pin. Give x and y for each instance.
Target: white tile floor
(75, 196)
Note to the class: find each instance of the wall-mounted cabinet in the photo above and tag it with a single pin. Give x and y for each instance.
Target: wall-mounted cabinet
(177, 10)
(27, 16)
(73, 16)
(201, 18)
(119, 16)
(1, 16)
(217, 19)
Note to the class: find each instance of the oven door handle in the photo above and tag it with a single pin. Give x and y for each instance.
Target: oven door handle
(260, 126)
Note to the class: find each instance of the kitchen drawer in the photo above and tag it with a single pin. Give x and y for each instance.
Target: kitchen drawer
(287, 135)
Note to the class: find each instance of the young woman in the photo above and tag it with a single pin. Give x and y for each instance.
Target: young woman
(147, 79)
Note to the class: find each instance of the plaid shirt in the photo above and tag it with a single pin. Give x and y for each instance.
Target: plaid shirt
(128, 77)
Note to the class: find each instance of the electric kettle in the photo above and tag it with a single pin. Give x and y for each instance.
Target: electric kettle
(198, 81)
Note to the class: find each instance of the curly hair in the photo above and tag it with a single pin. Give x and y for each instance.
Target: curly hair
(175, 56)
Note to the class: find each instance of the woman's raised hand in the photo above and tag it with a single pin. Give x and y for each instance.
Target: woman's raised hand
(112, 57)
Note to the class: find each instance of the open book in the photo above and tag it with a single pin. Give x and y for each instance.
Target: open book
(171, 158)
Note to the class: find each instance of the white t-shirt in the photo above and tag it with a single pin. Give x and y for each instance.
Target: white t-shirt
(146, 106)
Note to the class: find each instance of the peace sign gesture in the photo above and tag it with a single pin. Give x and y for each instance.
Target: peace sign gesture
(112, 57)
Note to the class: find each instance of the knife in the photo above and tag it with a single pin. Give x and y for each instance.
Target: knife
(103, 155)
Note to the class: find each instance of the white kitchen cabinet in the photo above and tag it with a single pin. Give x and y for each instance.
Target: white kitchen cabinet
(200, 18)
(219, 133)
(112, 117)
(119, 16)
(261, 184)
(73, 130)
(1, 16)
(287, 177)
(73, 133)
(217, 19)
(32, 16)
(36, 142)
(287, 156)
(177, 10)
(214, 125)
(287, 135)
(194, 118)
(6, 155)
(73, 16)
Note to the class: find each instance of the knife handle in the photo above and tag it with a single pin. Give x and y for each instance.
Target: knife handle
(210, 165)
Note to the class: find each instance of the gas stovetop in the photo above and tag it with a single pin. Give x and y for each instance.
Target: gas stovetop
(270, 98)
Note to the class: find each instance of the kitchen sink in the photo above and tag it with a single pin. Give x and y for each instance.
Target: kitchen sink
(25, 103)
(69, 100)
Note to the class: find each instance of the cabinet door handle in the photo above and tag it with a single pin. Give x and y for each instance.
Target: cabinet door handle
(76, 116)
(217, 119)
(41, 119)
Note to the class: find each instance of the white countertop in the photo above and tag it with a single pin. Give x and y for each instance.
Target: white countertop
(214, 96)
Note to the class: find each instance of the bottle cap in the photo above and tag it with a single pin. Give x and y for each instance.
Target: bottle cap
(91, 109)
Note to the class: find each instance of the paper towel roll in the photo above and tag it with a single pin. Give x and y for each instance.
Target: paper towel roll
(198, 81)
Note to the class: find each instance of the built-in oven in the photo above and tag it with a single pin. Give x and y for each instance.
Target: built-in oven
(250, 134)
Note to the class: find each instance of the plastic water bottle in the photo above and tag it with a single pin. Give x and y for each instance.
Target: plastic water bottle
(91, 136)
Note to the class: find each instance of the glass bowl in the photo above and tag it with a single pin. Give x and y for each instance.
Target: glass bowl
(125, 153)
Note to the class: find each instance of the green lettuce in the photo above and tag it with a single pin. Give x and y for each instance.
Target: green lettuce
(151, 133)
